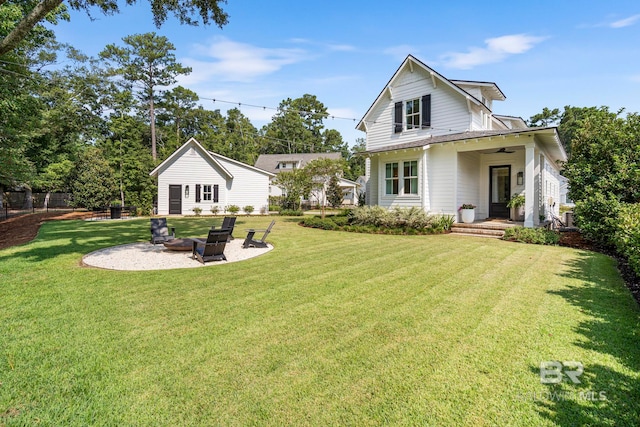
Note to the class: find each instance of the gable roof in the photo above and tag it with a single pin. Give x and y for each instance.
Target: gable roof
(180, 151)
(213, 158)
(270, 162)
(410, 61)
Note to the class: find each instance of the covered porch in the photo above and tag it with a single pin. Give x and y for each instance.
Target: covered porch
(491, 170)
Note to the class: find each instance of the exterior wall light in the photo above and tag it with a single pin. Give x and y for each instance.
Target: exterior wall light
(186, 191)
(520, 178)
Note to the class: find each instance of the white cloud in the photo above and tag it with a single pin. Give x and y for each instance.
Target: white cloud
(232, 61)
(496, 50)
(625, 22)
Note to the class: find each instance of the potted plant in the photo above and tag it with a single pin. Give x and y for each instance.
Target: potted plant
(467, 213)
(515, 203)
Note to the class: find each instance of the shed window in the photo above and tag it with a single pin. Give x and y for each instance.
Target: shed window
(206, 192)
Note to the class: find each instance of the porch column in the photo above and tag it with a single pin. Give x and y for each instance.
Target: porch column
(529, 184)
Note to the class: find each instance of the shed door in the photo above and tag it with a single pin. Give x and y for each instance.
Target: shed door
(499, 191)
(175, 199)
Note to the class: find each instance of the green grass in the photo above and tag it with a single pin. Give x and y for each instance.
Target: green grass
(329, 328)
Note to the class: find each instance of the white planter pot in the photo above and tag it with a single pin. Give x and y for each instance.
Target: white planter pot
(468, 215)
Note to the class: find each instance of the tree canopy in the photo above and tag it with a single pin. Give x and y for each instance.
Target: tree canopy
(33, 12)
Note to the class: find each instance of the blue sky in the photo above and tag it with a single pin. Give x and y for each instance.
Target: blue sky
(541, 54)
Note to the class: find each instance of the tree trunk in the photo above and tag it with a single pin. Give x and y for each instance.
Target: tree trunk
(27, 23)
(1, 197)
(46, 200)
(28, 198)
(152, 117)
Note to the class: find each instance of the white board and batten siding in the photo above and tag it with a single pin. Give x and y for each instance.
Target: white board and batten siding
(191, 165)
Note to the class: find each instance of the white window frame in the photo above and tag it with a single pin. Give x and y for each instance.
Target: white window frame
(411, 178)
(416, 113)
(391, 179)
(207, 196)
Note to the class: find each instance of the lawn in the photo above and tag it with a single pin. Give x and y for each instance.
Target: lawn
(329, 328)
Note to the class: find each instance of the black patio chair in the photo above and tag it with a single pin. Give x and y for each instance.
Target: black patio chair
(160, 231)
(251, 241)
(228, 223)
(211, 249)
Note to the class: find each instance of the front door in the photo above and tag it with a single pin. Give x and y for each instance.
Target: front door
(499, 191)
(175, 199)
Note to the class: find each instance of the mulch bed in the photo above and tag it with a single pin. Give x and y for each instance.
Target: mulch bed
(24, 228)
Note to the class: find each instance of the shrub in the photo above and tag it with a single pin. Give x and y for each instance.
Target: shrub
(248, 209)
(443, 222)
(290, 212)
(197, 211)
(233, 209)
(316, 222)
(538, 236)
(340, 220)
(627, 236)
(215, 210)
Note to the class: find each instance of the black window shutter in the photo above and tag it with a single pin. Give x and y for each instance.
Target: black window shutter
(397, 118)
(215, 193)
(198, 193)
(426, 111)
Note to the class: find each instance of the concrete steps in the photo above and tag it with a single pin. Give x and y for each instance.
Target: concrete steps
(494, 229)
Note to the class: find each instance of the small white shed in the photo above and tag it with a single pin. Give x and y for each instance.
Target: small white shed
(193, 177)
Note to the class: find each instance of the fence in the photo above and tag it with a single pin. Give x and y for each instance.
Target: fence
(15, 203)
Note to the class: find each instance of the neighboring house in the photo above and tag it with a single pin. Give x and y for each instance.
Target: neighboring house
(435, 143)
(194, 177)
(564, 192)
(276, 163)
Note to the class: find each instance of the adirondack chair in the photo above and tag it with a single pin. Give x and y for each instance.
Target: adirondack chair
(211, 249)
(228, 223)
(160, 231)
(250, 240)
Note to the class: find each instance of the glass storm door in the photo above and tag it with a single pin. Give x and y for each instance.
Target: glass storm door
(499, 191)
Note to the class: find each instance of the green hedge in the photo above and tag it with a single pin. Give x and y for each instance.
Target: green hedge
(627, 235)
(375, 219)
(538, 236)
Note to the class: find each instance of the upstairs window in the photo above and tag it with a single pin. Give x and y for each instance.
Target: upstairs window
(391, 178)
(412, 114)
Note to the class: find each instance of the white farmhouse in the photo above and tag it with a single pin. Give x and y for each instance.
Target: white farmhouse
(193, 177)
(436, 144)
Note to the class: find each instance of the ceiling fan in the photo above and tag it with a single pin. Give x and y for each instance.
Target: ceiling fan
(504, 150)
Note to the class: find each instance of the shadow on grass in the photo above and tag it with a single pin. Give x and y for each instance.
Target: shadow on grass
(605, 395)
(57, 238)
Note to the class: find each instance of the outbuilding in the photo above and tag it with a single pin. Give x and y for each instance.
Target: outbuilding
(193, 178)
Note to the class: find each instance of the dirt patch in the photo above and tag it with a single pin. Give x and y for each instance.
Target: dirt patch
(24, 228)
(573, 239)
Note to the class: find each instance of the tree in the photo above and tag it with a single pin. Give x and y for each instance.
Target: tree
(295, 184)
(546, 118)
(176, 105)
(147, 60)
(603, 170)
(298, 127)
(321, 171)
(94, 185)
(335, 195)
(35, 12)
(356, 160)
